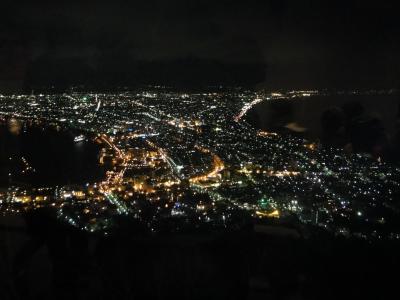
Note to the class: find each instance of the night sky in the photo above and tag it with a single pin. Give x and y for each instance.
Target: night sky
(273, 44)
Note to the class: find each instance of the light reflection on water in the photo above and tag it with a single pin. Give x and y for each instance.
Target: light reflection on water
(14, 126)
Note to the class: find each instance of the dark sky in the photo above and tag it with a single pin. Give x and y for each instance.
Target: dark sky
(272, 43)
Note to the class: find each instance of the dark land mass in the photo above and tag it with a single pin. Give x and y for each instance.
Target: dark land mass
(57, 75)
(46, 259)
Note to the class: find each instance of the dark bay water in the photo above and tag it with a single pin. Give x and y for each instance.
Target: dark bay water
(307, 112)
(359, 123)
(54, 155)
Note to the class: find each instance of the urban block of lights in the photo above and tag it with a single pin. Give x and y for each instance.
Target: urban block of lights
(189, 161)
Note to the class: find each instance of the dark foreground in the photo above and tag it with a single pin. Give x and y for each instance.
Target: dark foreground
(42, 259)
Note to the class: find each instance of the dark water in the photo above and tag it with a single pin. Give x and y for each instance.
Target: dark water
(362, 124)
(307, 112)
(54, 155)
